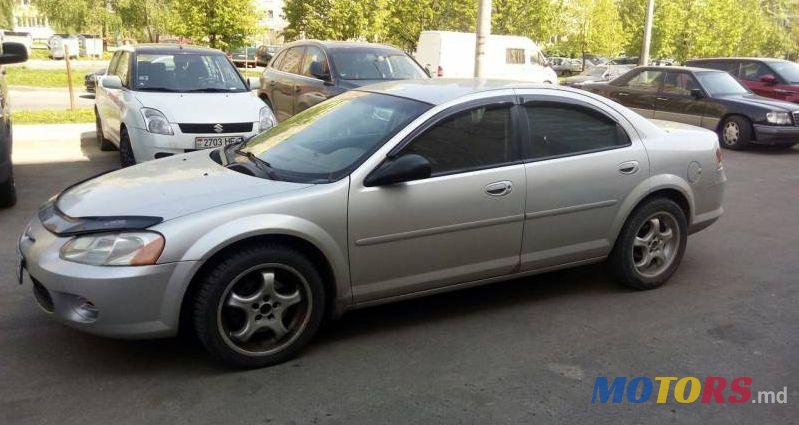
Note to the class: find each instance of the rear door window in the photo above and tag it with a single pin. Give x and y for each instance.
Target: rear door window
(679, 83)
(753, 71)
(314, 54)
(647, 81)
(292, 60)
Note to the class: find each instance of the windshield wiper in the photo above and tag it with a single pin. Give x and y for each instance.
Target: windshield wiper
(260, 163)
(211, 90)
(167, 89)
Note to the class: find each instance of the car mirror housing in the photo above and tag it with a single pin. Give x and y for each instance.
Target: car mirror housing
(319, 72)
(403, 169)
(253, 83)
(697, 93)
(13, 53)
(111, 82)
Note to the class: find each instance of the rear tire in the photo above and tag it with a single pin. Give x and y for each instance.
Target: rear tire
(735, 133)
(126, 157)
(8, 192)
(259, 306)
(650, 245)
(105, 144)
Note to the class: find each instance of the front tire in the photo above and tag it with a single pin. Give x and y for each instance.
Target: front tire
(8, 192)
(126, 157)
(259, 306)
(651, 244)
(735, 133)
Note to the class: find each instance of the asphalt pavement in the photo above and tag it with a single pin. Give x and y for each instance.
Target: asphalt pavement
(526, 351)
(38, 98)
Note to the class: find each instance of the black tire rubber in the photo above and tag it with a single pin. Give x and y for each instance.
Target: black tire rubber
(126, 157)
(744, 137)
(105, 144)
(621, 258)
(212, 288)
(8, 192)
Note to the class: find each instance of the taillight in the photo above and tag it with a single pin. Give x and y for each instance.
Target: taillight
(440, 71)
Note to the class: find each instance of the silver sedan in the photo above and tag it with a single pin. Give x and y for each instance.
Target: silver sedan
(384, 193)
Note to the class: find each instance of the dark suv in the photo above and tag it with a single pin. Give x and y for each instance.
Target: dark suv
(774, 78)
(306, 72)
(9, 53)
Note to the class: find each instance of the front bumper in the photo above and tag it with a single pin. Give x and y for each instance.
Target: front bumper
(776, 135)
(147, 146)
(131, 302)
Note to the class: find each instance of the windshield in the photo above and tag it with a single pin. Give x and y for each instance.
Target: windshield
(326, 142)
(789, 71)
(720, 83)
(376, 66)
(186, 72)
(596, 71)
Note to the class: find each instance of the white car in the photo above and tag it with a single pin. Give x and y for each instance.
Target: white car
(157, 100)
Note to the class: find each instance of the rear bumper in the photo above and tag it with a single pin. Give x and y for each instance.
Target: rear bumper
(776, 135)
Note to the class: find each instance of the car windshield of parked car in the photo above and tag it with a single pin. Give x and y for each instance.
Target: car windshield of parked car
(720, 83)
(185, 73)
(596, 71)
(376, 66)
(789, 71)
(327, 141)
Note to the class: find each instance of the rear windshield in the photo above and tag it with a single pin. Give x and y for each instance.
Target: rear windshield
(185, 73)
(376, 66)
(789, 71)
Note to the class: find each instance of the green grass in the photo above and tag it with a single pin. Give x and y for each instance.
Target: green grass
(39, 54)
(250, 73)
(53, 116)
(22, 76)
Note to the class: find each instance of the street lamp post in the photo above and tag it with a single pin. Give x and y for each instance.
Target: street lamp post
(483, 31)
(650, 10)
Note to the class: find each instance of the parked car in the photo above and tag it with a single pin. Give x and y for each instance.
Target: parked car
(774, 78)
(561, 66)
(90, 80)
(244, 56)
(10, 52)
(158, 100)
(451, 55)
(598, 73)
(305, 73)
(708, 98)
(256, 243)
(264, 54)
(625, 60)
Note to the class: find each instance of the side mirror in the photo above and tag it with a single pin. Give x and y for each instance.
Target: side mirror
(13, 53)
(403, 169)
(253, 83)
(318, 71)
(697, 93)
(111, 82)
(769, 79)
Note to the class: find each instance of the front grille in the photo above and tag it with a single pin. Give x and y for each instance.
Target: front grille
(235, 127)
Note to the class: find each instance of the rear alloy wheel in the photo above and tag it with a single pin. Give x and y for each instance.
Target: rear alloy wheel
(105, 144)
(126, 157)
(651, 244)
(735, 133)
(259, 306)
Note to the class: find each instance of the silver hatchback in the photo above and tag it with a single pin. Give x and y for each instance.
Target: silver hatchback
(388, 192)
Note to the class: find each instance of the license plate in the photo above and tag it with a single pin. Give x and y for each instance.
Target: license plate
(215, 142)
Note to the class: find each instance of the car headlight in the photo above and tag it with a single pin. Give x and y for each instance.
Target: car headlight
(779, 118)
(155, 121)
(266, 119)
(114, 249)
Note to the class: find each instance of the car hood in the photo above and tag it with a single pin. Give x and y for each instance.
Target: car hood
(354, 84)
(166, 188)
(765, 102)
(205, 107)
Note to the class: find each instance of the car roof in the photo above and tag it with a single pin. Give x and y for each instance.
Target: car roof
(345, 45)
(163, 48)
(737, 59)
(436, 91)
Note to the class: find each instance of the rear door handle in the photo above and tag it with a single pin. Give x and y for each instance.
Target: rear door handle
(629, 167)
(501, 188)
(662, 99)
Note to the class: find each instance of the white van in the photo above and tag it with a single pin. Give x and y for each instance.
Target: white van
(450, 54)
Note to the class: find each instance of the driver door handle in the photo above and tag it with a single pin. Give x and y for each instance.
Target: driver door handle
(500, 188)
(629, 167)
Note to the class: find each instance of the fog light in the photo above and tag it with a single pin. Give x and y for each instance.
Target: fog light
(85, 310)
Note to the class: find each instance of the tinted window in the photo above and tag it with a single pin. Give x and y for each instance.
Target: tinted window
(679, 83)
(468, 140)
(789, 71)
(327, 141)
(371, 65)
(753, 71)
(313, 54)
(645, 80)
(720, 83)
(186, 72)
(291, 60)
(561, 129)
(277, 60)
(514, 56)
(112, 66)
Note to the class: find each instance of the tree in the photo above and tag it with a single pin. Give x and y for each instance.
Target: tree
(222, 23)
